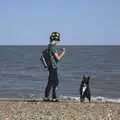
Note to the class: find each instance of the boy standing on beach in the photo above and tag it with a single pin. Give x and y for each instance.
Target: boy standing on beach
(53, 74)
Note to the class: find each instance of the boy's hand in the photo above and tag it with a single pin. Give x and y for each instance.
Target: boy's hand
(64, 50)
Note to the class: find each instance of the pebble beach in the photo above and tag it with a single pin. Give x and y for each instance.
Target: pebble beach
(62, 110)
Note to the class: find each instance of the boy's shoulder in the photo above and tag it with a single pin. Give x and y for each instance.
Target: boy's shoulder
(52, 47)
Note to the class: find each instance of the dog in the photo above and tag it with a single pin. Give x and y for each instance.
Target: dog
(85, 89)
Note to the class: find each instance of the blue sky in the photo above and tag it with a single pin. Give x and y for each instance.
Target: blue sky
(80, 22)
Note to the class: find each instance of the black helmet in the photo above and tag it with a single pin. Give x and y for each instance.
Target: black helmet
(55, 36)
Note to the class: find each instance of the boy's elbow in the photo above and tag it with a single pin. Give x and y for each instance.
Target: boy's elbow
(57, 56)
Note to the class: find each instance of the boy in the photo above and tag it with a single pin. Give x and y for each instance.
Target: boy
(53, 74)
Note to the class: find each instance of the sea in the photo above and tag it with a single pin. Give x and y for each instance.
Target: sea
(22, 76)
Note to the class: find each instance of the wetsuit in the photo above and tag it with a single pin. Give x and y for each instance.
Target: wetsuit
(53, 74)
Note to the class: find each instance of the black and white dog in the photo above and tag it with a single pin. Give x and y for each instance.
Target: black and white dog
(85, 89)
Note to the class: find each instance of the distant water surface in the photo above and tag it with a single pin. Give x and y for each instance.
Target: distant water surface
(22, 76)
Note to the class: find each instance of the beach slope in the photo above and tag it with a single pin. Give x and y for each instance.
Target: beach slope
(63, 110)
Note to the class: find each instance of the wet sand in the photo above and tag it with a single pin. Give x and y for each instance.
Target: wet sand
(63, 110)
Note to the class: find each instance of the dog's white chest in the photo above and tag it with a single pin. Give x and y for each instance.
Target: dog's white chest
(84, 88)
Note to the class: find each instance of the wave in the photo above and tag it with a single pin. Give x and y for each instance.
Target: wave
(69, 98)
(93, 99)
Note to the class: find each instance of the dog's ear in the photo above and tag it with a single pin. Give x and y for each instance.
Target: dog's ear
(84, 77)
(88, 77)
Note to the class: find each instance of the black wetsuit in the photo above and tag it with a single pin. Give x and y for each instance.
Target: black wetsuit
(52, 83)
(53, 75)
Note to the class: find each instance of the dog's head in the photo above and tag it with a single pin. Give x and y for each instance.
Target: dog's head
(85, 80)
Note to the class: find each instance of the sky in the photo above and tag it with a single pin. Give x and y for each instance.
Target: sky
(80, 22)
